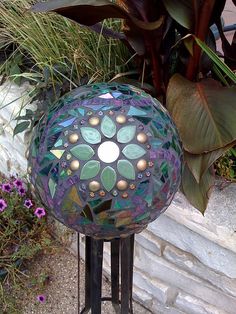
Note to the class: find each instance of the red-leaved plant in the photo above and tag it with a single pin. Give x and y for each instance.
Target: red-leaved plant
(175, 48)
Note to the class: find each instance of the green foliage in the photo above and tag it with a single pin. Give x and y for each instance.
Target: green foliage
(226, 165)
(23, 236)
(55, 55)
(54, 42)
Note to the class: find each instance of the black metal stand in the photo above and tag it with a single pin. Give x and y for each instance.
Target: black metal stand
(122, 254)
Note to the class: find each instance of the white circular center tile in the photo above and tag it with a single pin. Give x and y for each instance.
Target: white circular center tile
(108, 152)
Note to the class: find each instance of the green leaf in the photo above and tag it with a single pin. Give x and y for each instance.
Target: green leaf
(21, 127)
(199, 164)
(14, 73)
(225, 69)
(90, 12)
(197, 193)
(204, 113)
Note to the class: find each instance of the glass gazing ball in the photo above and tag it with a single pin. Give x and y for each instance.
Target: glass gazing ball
(106, 160)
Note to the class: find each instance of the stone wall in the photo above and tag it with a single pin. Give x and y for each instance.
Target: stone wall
(184, 262)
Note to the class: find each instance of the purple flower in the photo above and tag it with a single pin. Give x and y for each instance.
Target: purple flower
(7, 187)
(39, 212)
(21, 191)
(3, 205)
(41, 298)
(18, 183)
(28, 203)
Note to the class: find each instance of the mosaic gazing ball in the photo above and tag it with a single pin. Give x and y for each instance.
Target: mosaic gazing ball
(106, 160)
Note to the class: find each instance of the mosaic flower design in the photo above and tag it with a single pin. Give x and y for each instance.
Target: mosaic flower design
(106, 160)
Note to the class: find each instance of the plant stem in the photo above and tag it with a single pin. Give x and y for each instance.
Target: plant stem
(203, 28)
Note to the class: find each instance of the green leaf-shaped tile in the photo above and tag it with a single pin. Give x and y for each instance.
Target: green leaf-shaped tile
(133, 151)
(90, 170)
(126, 169)
(83, 152)
(108, 127)
(108, 178)
(126, 134)
(91, 135)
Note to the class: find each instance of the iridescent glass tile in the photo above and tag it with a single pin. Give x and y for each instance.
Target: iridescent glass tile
(91, 135)
(52, 187)
(108, 127)
(126, 134)
(133, 111)
(83, 152)
(133, 151)
(67, 122)
(108, 178)
(57, 152)
(126, 169)
(90, 170)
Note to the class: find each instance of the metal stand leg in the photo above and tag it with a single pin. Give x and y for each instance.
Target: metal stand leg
(96, 276)
(121, 257)
(115, 270)
(126, 274)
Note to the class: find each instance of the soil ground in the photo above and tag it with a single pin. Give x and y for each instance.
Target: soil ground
(61, 290)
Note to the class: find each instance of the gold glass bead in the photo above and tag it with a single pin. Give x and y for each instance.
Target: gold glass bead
(94, 121)
(74, 165)
(92, 194)
(142, 165)
(69, 172)
(142, 138)
(29, 170)
(122, 185)
(73, 138)
(94, 186)
(120, 119)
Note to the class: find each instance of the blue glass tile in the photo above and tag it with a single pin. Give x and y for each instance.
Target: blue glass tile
(67, 122)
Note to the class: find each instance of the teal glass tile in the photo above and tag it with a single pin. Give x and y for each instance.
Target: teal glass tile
(126, 169)
(45, 171)
(126, 134)
(47, 158)
(91, 135)
(90, 170)
(95, 202)
(108, 127)
(143, 119)
(133, 151)
(108, 178)
(59, 143)
(55, 130)
(136, 112)
(77, 112)
(52, 187)
(83, 152)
